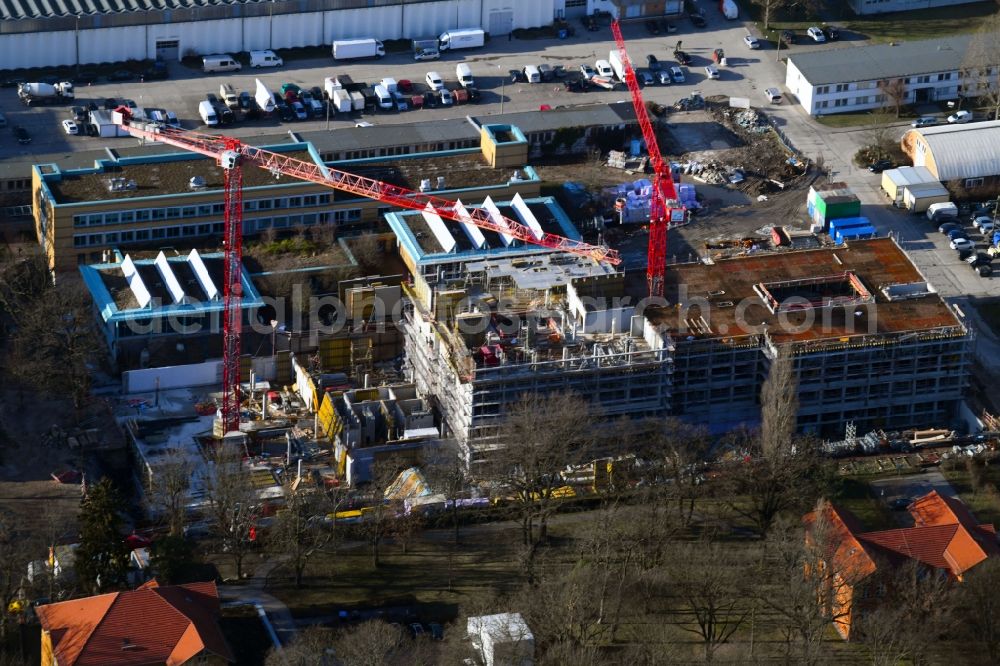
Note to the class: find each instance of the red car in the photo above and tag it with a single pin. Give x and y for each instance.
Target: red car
(404, 85)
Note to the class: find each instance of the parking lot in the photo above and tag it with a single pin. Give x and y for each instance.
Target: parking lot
(748, 72)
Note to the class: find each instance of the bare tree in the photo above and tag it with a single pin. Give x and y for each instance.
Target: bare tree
(309, 647)
(894, 92)
(675, 455)
(373, 643)
(980, 69)
(16, 551)
(367, 251)
(379, 513)
(979, 609)
(539, 438)
(299, 531)
(167, 490)
(880, 132)
(768, 9)
(56, 343)
(779, 470)
(233, 505)
(709, 584)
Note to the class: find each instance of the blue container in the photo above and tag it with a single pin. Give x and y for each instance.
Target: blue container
(563, 34)
(635, 147)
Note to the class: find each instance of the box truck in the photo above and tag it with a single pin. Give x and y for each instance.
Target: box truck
(729, 9)
(264, 98)
(341, 100)
(463, 38)
(358, 100)
(615, 60)
(349, 49)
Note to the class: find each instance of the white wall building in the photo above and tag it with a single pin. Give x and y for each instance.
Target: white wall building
(838, 80)
(37, 33)
(882, 6)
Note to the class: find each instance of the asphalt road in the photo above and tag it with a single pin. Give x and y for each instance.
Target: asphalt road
(747, 74)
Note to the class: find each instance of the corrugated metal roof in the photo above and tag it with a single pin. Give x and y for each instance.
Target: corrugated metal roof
(881, 61)
(964, 151)
(12, 10)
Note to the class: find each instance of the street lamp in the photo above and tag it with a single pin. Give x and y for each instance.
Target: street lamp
(503, 81)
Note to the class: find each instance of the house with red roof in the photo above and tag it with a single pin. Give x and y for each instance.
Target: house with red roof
(945, 538)
(153, 625)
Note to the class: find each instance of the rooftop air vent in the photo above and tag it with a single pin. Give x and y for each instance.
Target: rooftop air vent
(197, 183)
(425, 185)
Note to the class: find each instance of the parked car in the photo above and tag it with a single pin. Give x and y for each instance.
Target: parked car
(404, 85)
(603, 68)
(697, 19)
(653, 27)
(682, 57)
(949, 226)
(960, 117)
(546, 71)
(924, 121)
(831, 33)
(663, 77)
(712, 72)
(434, 81)
(22, 135)
(954, 234)
(985, 270)
(788, 37)
(363, 123)
(978, 259)
(110, 103)
(300, 111)
(286, 87)
(751, 42)
(446, 98)
(70, 127)
(984, 224)
(587, 71)
(78, 113)
(880, 165)
(644, 77)
(677, 74)
(652, 63)
(962, 244)
(244, 100)
(816, 34)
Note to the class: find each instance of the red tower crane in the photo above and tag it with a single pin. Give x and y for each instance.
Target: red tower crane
(663, 205)
(232, 155)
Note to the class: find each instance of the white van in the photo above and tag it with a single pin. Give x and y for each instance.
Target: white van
(464, 74)
(383, 98)
(532, 75)
(939, 211)
(603, 68)
(207, 113)
(220, 63)
(389, 84)
(228, 95)
(773, 95)
(265, 59)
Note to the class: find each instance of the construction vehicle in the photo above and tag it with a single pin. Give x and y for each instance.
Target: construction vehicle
(232, 155)
(45, 93)
(664, 207)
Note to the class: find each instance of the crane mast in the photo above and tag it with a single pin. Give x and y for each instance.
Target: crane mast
(663, 204)
(232, 155)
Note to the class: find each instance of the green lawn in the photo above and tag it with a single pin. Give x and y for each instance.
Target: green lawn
(985, 506)
(899, 26)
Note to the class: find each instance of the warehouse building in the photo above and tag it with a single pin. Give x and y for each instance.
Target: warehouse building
(39, 34)
(873, 343)
(175, 199)
(965, 158)
(838, 80)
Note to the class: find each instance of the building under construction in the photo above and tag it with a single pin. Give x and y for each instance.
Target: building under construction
(872, 341)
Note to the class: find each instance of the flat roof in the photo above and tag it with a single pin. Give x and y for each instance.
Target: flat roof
(881, 61)
(153, 177)
(594, 115)
(378, 136)
(735, 308)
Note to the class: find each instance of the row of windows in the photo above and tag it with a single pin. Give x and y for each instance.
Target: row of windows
(201, 210)
(388, 151)
(193, 230)
(18, 184)
(865, 99)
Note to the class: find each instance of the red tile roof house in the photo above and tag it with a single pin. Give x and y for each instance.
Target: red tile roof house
(945, 537)
(168, 625)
